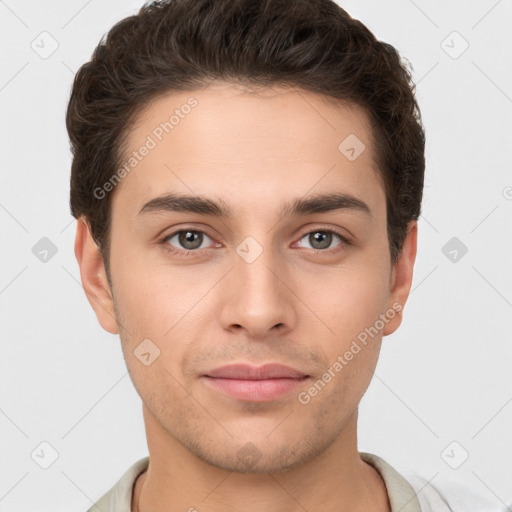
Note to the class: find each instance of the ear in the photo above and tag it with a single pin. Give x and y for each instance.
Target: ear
(94, 278)
(401, 278)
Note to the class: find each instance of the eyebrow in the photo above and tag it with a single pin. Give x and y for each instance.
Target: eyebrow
(320, 203)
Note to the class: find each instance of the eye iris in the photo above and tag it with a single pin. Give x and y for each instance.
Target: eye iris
(186, 237)
(320, 236)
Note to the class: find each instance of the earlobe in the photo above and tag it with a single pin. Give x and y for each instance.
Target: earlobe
(401, 279)
(94, 278)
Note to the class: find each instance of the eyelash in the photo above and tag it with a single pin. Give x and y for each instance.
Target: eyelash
(184, 252)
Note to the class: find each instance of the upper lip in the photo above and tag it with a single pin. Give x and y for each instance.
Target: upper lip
(248, 372)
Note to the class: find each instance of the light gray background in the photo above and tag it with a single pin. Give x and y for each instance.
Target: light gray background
(444, 376)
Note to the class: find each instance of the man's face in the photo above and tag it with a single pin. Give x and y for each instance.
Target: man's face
(255, 287)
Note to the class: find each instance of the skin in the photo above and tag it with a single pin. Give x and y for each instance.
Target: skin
(296, 304)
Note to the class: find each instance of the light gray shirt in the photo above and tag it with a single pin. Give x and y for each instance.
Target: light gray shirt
(403, 497)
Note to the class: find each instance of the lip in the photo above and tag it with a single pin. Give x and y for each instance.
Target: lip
(255, 384)
(249, 372)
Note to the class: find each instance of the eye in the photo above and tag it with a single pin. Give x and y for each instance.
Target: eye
(321, 239)
(187, 240)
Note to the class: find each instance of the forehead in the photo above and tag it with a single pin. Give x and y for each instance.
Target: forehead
(228, 142)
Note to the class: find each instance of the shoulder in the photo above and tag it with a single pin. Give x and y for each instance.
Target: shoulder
(411, 491)
(451, 495)
(402, 496)
(118, 498)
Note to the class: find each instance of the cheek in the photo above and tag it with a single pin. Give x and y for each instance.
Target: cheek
(154, 300)
(161, 306)
(348, 300)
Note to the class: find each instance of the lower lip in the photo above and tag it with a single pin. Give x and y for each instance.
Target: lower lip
(255, 390)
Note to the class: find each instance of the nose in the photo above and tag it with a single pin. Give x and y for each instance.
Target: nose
(258, 297)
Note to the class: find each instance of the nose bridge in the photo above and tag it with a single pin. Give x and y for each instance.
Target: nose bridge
(255, 267)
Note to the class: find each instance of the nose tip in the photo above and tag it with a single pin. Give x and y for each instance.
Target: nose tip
(257, 300)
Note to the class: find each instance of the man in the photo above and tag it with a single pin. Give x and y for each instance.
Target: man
(247, 178)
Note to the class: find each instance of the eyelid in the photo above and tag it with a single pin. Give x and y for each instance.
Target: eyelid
(179, 229)
(337, 231)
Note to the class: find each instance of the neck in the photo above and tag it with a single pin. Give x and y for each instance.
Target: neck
(337, 480)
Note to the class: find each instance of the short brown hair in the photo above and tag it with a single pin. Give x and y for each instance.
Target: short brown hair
(180, 45)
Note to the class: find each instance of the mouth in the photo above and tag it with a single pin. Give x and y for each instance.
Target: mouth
(255, 384)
